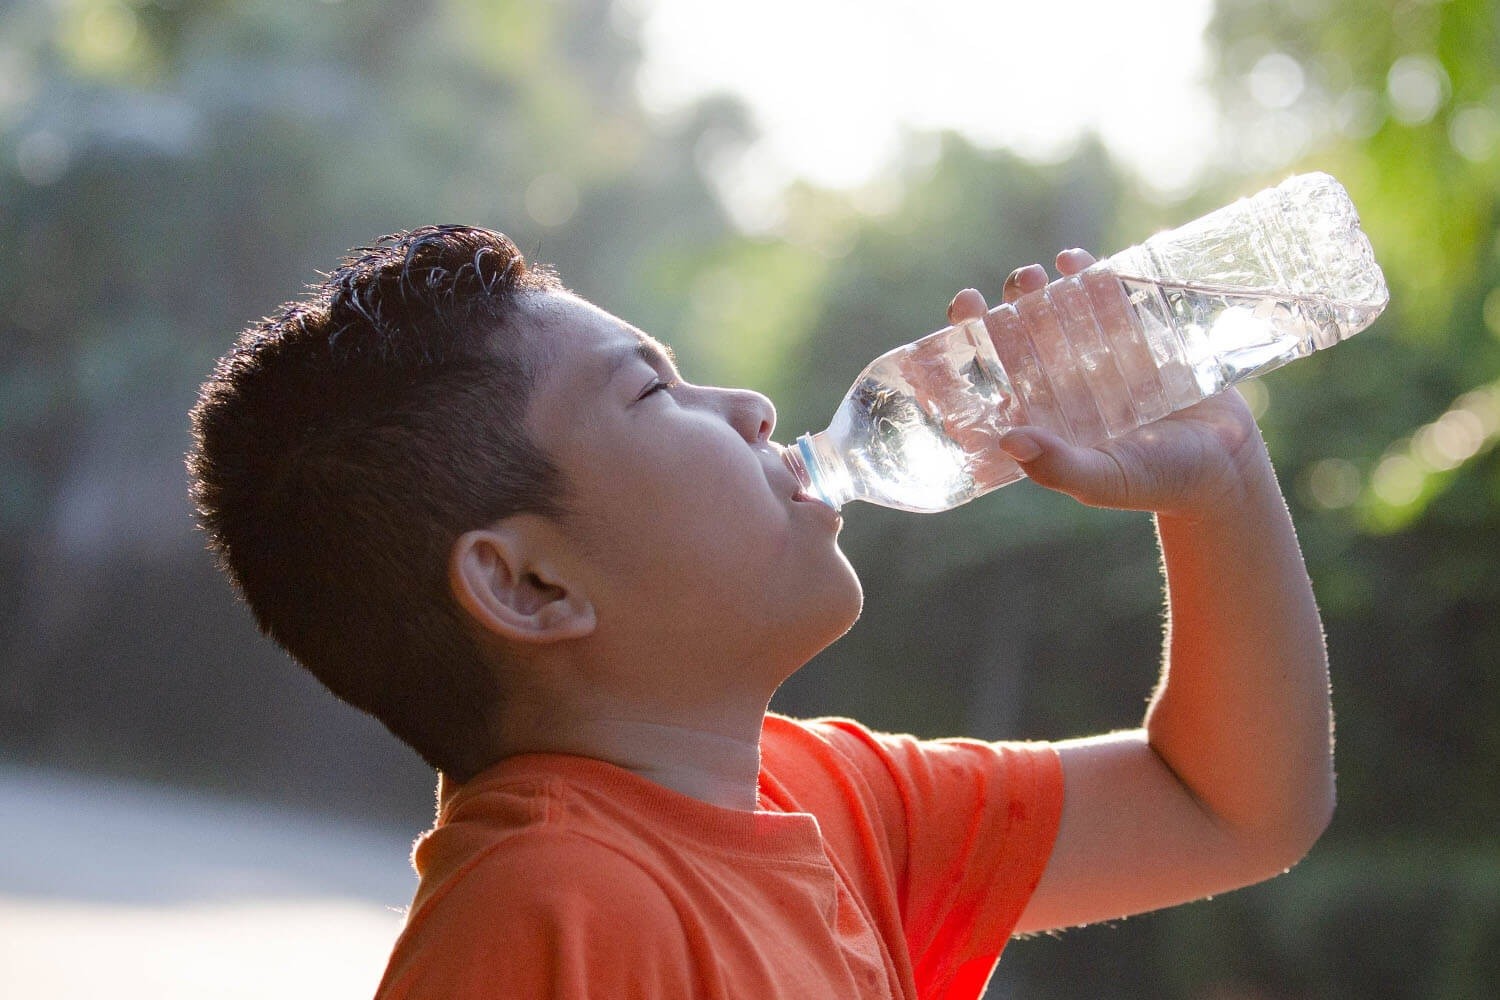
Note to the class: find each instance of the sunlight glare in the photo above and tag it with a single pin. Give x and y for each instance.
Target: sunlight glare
(833, 85)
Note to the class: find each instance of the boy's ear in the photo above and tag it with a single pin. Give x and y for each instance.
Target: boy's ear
(506, 585)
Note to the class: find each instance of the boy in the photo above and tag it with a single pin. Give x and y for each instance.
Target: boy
(498, 519)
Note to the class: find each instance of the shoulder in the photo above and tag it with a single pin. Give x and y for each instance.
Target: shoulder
(549, 877)
(946, 798)
(905, 764)
(544, 913)
(831, 744)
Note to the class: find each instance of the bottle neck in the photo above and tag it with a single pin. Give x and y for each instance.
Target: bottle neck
(820, 469)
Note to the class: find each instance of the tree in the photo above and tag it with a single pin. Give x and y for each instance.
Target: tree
(168, 173)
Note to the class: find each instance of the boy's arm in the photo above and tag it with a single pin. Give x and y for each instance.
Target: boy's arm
(1230, 780)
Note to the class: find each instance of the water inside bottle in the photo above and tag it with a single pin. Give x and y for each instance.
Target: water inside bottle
(919, 429)
(1225, 335)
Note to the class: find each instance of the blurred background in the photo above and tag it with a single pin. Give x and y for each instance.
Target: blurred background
(782, 191)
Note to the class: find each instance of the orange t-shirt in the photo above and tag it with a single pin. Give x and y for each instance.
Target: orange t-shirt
(875, 866)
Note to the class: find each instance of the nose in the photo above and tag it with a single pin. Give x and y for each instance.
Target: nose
(751, 414)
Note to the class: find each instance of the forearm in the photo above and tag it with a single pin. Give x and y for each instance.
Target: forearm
(1242, 714)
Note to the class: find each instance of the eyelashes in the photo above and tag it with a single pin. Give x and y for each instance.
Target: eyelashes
(658, 385)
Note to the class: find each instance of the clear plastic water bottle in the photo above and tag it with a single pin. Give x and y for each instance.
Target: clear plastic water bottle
(1151, 330)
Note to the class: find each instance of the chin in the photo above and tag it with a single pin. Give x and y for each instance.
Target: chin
(854, 601)
(833, 610)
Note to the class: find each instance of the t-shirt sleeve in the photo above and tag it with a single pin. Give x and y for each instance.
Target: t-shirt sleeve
(969, 827)
(543, 920)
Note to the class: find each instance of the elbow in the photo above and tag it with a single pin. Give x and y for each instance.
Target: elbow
(1281, 847)
(1317, 816)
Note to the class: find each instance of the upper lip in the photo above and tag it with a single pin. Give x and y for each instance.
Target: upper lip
(782, 477)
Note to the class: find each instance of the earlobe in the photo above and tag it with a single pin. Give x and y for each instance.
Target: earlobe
(501, 584)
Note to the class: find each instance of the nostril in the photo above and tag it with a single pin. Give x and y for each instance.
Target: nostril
(767, 417)
(752, 414)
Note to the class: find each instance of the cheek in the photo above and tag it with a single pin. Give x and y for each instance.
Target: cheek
(690, 504)
(711, 485)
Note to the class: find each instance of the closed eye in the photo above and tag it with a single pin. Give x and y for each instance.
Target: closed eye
(657, 385)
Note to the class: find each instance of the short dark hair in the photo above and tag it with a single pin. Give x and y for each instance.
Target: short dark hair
(344, 443)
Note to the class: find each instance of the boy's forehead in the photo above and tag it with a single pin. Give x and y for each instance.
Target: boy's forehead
(586, 345)
(594, 342)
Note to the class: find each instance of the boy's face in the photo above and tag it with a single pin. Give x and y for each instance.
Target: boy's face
(683, 517)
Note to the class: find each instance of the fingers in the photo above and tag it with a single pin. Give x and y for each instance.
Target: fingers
(967, 304)
(1089, 475)
(1023, 280)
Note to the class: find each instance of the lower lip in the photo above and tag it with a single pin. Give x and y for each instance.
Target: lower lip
(832, 515)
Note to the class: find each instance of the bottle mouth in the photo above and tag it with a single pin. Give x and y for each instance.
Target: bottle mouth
(799, 458)
(793, 458)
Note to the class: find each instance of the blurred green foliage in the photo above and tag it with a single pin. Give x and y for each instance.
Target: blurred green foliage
(170, 170)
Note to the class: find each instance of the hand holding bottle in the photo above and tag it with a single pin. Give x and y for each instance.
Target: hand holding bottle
(1104, 350)
(1190, 463)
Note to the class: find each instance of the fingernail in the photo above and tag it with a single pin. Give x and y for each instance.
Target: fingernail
(1076, 257)
(1021, 447)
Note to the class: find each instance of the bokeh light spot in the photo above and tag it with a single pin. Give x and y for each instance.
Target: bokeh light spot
(42, 158)
(551, 200)
(1492, 311)
(1417, 86)
(1333, 483)
(1474, 132)
(1398, 480)
(1276, 81)
(1257, 396)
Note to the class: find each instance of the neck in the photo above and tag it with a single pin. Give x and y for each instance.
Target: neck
(710, 764)
(670, 716)
(715, 760)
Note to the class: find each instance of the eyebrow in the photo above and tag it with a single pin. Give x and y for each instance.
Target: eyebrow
(649, 350)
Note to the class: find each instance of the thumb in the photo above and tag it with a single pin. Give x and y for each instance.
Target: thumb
(1089, 475)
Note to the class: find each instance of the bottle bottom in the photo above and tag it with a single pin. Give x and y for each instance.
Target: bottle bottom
(1223, 336)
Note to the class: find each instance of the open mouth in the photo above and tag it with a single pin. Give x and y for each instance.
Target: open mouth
(801, 496)
(793, 462)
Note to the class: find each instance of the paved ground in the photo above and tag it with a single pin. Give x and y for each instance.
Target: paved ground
(110, 889)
